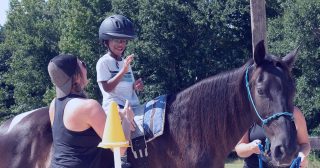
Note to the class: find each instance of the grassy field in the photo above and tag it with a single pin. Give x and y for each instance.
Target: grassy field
(234, 164)
(314, 162)
(239, 164)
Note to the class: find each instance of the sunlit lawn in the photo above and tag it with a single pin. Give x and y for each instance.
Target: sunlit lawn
(234, 164)
(314, 162)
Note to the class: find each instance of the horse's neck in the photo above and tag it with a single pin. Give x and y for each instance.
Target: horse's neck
(219, 105)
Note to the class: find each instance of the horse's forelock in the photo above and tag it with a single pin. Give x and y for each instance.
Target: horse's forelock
(290, 86)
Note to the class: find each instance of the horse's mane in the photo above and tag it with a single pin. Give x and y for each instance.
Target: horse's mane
(214, 103)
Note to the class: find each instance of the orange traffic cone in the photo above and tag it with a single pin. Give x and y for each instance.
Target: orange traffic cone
(113, 135)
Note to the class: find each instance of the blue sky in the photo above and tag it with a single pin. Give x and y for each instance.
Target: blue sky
(4, 6)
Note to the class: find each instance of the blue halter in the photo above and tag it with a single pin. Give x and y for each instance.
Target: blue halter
(274, 116)
(296, 162)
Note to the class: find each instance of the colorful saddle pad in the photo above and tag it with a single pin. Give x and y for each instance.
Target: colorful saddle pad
(154, 115)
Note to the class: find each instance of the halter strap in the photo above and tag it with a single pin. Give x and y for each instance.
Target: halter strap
(274, 116)
(296, 162)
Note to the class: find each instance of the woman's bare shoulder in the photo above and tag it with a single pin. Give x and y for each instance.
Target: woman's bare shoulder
(89, 106)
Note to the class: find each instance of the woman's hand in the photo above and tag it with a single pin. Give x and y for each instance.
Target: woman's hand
(127, 115)
(128, 123)
(130, 117)
(304, 160)
(254, 146)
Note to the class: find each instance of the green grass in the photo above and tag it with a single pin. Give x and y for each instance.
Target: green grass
(234, 164)
(314, 162)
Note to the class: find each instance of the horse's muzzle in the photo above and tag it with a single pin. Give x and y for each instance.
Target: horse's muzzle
(283, 156)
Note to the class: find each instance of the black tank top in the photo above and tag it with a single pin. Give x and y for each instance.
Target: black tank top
(76, 149)
(256, 132)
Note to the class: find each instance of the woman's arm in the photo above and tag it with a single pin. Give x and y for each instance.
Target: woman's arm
(95, 116)
(244, 148)
(302, 136)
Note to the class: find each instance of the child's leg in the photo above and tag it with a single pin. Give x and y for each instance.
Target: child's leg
(123, 151)
(124, 160)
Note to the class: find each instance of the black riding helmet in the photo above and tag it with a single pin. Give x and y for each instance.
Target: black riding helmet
(116, 27)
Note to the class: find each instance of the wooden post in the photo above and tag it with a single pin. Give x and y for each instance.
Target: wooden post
(258, 22)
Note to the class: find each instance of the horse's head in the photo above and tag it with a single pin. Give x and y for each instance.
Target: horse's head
(272, 92)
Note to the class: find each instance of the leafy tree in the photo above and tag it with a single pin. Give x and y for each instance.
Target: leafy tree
(6, 90)
(30, 41)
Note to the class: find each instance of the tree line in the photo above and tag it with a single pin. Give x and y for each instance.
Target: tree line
(180, 42)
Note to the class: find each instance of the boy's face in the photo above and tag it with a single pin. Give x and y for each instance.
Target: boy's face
(117, 46)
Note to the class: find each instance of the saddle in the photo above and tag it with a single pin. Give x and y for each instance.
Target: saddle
(149, 119)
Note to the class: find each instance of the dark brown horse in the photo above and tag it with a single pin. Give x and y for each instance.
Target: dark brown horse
(203, 123)
(25, 140)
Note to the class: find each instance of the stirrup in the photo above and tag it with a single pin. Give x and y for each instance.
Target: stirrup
(140, 153)
(139, 147)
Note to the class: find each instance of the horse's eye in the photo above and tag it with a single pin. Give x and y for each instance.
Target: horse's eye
(260, 91)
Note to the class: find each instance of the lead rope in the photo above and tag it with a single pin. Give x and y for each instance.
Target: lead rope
(294, 164)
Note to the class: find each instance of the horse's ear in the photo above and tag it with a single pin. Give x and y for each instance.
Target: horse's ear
(259, 53)
(290, 58)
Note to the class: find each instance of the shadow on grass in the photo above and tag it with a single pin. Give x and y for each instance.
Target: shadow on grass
(233, 161)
